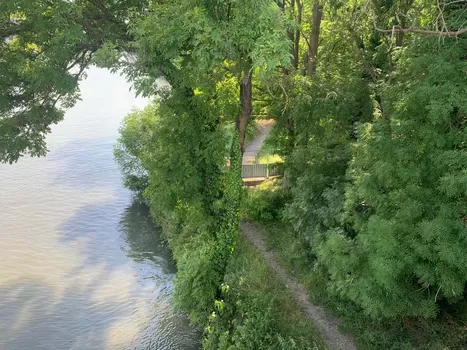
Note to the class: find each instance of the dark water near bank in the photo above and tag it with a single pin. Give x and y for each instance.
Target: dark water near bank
(81, 264)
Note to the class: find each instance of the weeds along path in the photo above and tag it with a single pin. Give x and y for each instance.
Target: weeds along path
(326, 324)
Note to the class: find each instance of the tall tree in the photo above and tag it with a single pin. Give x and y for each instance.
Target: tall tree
(314, 37)
(407, 200)
(210, 52)
(214, 40)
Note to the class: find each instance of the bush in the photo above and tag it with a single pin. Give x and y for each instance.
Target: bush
(265, 201)
(241, 322)
(408, 192)
(132, 145)
(175, 151)
(447, 332)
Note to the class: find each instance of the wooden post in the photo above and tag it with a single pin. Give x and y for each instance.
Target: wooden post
(267, 167)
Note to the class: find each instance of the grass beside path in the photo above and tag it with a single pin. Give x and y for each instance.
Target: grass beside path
(261, 311)
(316, 315)
(264, 205)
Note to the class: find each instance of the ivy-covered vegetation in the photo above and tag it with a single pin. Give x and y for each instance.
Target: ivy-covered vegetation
(369, 99)
(256, 310)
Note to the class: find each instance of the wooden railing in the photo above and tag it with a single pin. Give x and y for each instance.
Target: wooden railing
(262, 170)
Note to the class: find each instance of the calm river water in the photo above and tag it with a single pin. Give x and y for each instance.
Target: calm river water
(81, 264)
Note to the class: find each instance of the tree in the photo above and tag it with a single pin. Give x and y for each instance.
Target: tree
(408, 193)
(314, 37)
(325, 108)
(209, 52)
(371, 195)
(45, 47)
(215, 40)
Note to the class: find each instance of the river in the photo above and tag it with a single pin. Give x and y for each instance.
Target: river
(81, 264)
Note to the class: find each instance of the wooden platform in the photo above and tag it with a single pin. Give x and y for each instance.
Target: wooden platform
(253, 181)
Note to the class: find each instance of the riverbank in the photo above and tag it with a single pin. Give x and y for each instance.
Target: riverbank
(82, 264)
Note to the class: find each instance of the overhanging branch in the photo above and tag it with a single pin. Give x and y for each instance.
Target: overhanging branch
(423, 31)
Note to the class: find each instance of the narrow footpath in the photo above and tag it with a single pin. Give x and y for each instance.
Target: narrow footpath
(254, 146)
(327, 325)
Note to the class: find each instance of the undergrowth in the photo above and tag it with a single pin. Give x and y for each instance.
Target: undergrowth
(256, 310)
(446, 332)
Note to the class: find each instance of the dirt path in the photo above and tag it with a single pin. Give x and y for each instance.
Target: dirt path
(253, 147)
(326, 324)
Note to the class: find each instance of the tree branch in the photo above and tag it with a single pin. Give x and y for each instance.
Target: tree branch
(423, 31)
(14, 29)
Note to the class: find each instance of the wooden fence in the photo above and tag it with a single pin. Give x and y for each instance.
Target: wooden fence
(262, 170)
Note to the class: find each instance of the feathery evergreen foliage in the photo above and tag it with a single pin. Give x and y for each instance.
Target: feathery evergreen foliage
(407, 196)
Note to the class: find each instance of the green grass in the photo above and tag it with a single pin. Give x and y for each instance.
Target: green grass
(269, 158)
(248, 276)
(267, 154)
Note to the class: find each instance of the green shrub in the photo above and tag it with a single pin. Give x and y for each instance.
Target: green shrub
(131, 146)
(265, 201)
(408, 192)
(241, 322)
(178, 144)
(446, 332)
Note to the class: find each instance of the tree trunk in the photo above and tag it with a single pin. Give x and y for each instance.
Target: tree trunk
(246, 88)
(400, 35)
(314, 37)
(296, 44)
(291, 36)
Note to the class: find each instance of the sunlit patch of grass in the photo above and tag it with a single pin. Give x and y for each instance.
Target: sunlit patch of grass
(270, 158)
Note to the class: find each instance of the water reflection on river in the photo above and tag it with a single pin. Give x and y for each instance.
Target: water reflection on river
(81, 264)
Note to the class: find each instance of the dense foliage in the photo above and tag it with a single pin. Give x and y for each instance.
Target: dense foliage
(369, 99)
(256, 311)
(182, 144)
(45, 47)
(185, 188)
(407, 196)
(379, 171)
